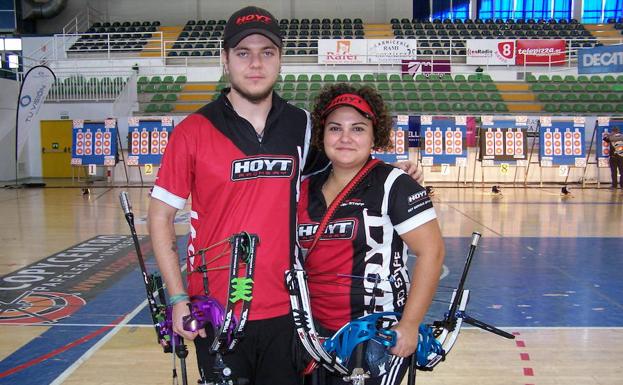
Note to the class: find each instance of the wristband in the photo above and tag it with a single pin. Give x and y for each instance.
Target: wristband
(177, 298)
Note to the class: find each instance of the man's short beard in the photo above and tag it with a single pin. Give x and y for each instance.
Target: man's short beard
(253, 98)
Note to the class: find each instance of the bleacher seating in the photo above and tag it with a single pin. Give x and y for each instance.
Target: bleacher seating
(115, 37)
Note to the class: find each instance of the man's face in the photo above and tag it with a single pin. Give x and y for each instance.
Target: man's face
(253, 67)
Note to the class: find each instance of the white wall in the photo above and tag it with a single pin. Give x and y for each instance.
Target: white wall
(8, 107)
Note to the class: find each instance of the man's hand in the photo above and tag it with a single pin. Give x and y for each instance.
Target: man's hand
(407, 335)
(413, 169)
(180, 310)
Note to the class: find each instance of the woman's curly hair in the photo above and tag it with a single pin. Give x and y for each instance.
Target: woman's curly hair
(382, 126)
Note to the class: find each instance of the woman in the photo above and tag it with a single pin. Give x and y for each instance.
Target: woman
(371, 229)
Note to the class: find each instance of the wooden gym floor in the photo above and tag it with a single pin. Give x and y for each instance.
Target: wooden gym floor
(548, 270)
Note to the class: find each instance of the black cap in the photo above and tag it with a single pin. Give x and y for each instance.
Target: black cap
(249, 21)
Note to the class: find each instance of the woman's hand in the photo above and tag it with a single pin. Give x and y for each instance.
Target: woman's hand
(407, 339)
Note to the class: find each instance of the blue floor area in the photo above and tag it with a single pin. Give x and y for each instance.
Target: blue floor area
(539, 282)
(514, 282)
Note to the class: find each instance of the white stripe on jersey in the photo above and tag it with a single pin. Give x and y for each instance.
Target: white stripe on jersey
(416, 221)
(169, 198)
(394, 365)
(387, 186)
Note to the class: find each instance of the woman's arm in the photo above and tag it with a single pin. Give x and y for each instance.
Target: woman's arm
(427, 244)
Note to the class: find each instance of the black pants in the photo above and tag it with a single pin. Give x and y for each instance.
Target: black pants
(616, 163)
(394, 376)
(263, 356)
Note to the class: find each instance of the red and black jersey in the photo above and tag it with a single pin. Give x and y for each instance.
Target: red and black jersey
(237, 183)
(361, 240)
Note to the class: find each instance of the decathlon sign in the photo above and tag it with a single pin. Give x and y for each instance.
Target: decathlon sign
(597, 60)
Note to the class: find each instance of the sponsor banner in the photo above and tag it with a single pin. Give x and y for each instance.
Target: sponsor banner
(342, 51)
(491, 52)
(35, 87)
(596, 60)
(540, 52)
(59, 285)
(561, 142)
(390, 51)
(426, 67)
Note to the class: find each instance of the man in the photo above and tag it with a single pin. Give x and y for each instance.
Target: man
(240, 158)
(615, 142)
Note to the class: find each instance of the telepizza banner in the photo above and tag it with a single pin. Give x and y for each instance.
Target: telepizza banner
(540, 52)
(491, 52)
(342, 51)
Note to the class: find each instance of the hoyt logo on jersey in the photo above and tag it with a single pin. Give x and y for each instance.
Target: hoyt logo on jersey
(335, 230)
(417, 197)
(262, 167)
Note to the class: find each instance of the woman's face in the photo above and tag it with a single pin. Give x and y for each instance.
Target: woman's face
(348, 137)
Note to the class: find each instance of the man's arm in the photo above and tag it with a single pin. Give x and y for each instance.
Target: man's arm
(162, 232)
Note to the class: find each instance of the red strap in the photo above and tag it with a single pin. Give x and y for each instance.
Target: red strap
(338, 200)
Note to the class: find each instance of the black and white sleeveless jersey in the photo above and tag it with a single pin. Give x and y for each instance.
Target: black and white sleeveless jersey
(361, 240)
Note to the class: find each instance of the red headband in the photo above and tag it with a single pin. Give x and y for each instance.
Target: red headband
(352, 100)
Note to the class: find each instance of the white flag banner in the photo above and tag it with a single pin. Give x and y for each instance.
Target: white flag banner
(342, 51)
(35, 87)
(491, 52)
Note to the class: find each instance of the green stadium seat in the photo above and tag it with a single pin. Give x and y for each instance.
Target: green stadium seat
(181, 79)
(141, 80)
(302, 78)
(620, 79)
(584, 98)
(579, 108)
(396, 86)
(603, 87)
(477, 87)
(582, 79)
(289, 78)
(288, 96)
(599, 98)
(168, 79)
(458, 107)
(415, 107)
(440, 96)
(165, 108)
(558, 98)
(381, 77)
(591, 87)
(459, 79)
(551, 88)
(355, 78)
(551, 107)
(170, 98)
(556, 79)
(455, 96)
(302, 86)
(395, 78)
(382, 86)
(329, 78)
(496, 98)
(175, 88)
(596, 79)
(151, 108)
(490, 87)
(619, 107)
(399, 96)
(149, 88)
(288, 87)
(421, 78)
(564, 87)
(469, 97)
(448, 78)
(538, 87)
(423, 87)
(157, 98)
(570, 79)
(482, 97)
(607, 107)
(443, 107)
(437, 87)
(571, 98)
(162, 88)
(473, 78)
(413, 96)
(486, 107)
(155, 80)
(300, 96)
(342, 78)
(426, 96)
(613, 98)
(276, 86)
(472, 107)
(501, 107)
(316, 78)
(544, 79)
(315, 86)
(368, 78)
(451, 87)
(531, 78)
(465, 87)
(385, 95)
(594, 108)
(400, 107)
(429, 107)
(566, 107)
(407, 78)
(577, 87)
(410, 86)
